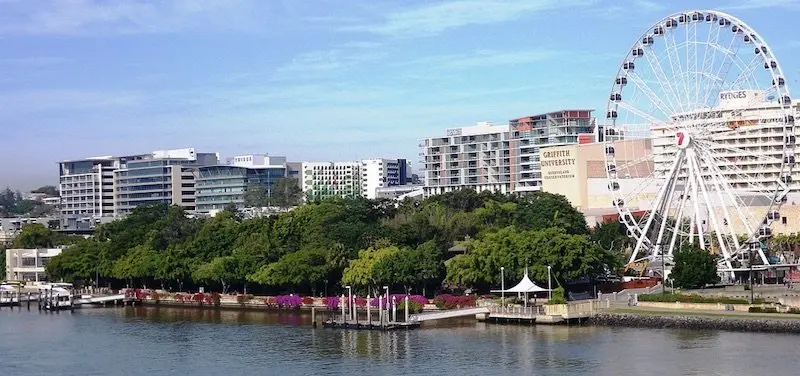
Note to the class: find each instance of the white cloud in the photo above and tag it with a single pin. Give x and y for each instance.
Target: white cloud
(97, 17)
(438, 17)
(761, 4)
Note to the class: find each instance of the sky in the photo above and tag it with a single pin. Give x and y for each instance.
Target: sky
(317, 80)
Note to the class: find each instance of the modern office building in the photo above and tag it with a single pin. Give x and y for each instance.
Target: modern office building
(220, 185)
(166, 176)
(87, 187)
(382, 173)
(477, 157)
(321, 180)
(529, 134)
(28, 264)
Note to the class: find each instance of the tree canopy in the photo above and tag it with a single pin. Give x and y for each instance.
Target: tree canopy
(694, 268)
(338, 241)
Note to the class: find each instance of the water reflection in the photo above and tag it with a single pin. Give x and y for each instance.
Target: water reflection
(159, 340)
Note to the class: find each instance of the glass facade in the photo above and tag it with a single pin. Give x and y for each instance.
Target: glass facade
(218, 186)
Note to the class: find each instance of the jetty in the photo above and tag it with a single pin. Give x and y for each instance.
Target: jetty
(386, 316)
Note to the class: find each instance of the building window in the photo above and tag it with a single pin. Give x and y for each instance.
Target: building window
(783, 220)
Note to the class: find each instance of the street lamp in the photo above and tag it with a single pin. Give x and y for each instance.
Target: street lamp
(350, 300)
(502, 286)
(549, 286)
(663, 270)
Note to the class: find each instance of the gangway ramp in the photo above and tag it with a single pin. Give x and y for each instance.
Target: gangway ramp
(449, 314)
(101, 299)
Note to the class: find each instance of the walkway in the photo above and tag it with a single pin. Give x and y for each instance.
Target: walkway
(449, 314)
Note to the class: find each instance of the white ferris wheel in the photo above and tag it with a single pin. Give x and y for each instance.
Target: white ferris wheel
(700, 140)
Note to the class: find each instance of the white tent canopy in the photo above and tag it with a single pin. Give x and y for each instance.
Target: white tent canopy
(524, 286)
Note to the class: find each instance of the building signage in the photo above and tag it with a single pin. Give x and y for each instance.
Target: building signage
(454, 132)
(557, 158)
(727, 95)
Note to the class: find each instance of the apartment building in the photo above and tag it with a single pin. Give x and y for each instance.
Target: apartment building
(28, 264)
(166, 176)
(529, 134)
(220, 185)
(320, 180)
(382, 173)
(477, 157)
(87, 187)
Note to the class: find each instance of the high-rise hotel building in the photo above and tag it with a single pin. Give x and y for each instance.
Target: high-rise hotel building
(500, 158)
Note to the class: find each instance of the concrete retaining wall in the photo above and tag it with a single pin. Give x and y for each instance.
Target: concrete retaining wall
(696, 322)
(695, 306)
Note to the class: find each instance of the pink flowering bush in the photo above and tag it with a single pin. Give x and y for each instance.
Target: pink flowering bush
(447, 301)
(288, 301)
(332, 302)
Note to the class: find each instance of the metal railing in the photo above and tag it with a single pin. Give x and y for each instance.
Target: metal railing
(516, 311)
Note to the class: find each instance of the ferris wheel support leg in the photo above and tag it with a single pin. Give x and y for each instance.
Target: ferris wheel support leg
(658, 200)
(679, 221)
(715, 178)
(712, 217)
(697, 223)
(673, 182)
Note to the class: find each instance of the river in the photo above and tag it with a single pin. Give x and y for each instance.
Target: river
(172, 341)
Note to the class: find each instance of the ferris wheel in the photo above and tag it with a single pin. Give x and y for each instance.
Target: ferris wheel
(700, 140)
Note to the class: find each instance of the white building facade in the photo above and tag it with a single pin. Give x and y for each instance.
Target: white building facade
(87, 187)
(477, 157)
(383, 173)
(28, 264)
(321, 180)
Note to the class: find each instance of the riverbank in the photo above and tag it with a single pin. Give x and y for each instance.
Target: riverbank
(698, 320)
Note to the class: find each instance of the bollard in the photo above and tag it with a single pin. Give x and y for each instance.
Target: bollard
(394, 309)
(380, 311)
(344, 318)
(369, 314)
(314, 317)
(406, 308)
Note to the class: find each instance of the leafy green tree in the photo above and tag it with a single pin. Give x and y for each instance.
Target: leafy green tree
(222, 270)
(693, 268)
(541, 210)
(34, 235)
(304, 268)
(139, 263)
(256, 195)
(569, 256)
(286, 192)
(364, 271)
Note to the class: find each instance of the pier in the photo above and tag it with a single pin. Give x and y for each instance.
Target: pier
(386, 316)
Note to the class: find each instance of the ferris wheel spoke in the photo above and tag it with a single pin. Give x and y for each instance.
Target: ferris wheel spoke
(713, 145)
(737, 203)
(669, 50)
(708, 72)
(659, 197)
(666, 86)
(729, 57)
(717, 181)
(642, 114)
(651, 95)
(746, 76)
(695, 170)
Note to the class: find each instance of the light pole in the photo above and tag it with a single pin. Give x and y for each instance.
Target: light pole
(750, 262)
(663, 271)
(502, 286)
(549, 286)
(386, 288)
(350, 300)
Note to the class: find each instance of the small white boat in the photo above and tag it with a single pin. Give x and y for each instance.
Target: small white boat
(56, 296)
(9, 293)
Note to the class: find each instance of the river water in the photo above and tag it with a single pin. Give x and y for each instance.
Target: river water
(177, 341)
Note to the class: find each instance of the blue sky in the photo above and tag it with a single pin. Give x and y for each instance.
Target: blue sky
(312, 80)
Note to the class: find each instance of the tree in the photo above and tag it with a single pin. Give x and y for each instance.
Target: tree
(286, 192)
(365, 272)
(569, 256)
(694, 268)
(256, 196)
(49, 190)
(34, 235)
(138, 263)
(306, 267)
(219, 269)
(541, 210)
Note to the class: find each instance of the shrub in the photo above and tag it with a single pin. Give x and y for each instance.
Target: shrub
(558, 296)
(762, 310)
(361, 302)
(413, 307)
(288, 301)
(332, 302)
(447, 301)
(693, 298)
(308, 301)
(198, 297)
(179, 297)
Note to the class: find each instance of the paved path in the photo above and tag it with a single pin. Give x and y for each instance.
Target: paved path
(712, 313)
